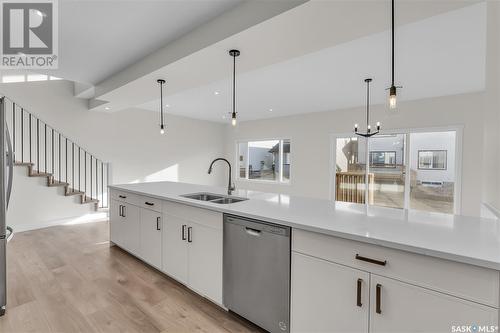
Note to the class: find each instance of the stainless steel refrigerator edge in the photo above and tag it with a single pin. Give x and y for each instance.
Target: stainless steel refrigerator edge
(257, 272)
(6, 233)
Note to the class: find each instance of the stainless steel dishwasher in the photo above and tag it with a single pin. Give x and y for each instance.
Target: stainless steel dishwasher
(257, 272)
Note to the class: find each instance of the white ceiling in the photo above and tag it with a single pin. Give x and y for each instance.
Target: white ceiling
(435, 56)
(100, 38)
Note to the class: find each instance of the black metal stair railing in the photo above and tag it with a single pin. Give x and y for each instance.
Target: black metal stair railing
(51, 153)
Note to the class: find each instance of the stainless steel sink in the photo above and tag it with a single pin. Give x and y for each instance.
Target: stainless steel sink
(212, 197)
(203, 196)
(227, 200)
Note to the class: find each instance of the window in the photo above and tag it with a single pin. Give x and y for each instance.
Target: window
(383, 159)
(387, 175)
(411, 170)
(432, 159)
(433, 171)
(27, 78)
(265, 160)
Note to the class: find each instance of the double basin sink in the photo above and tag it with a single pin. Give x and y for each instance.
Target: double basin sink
(212, 197)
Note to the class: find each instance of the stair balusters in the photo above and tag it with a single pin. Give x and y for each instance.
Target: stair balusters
(53, 155)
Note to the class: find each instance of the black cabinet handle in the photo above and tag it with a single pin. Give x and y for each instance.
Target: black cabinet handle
(149, 203)
(370, 260)
(190, 234)
(122, 196)
(183, 232)
(358, 293)
(123, 211)
(377, 299)
(158, 223)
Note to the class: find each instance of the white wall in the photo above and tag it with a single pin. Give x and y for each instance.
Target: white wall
(129, 140)
(310, 146)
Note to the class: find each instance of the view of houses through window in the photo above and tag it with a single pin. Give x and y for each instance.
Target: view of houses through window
(267, 160)
(432, 159)
(405, 170)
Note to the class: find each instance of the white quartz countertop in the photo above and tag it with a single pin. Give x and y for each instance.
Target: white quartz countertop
(463, 239)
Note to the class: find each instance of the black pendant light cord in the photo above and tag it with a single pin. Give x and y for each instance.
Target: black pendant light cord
(368, 102)
(234, 83)
(234, 54)
(393, 43)
(161, 103)
(161, 82)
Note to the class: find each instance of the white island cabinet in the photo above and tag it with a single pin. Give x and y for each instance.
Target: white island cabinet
(135, 225)
(341, 285)
(327, 297)
(192, 252)
(182, 241)
(124, 225)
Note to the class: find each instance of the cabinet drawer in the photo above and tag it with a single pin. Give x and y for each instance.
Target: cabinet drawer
(201, 216)
(466, 281)
(124, 196)
(151, 203)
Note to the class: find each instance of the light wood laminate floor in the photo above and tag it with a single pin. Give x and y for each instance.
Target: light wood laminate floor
(68, 279)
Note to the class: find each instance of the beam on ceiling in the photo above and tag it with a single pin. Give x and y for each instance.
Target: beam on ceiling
(240, 18)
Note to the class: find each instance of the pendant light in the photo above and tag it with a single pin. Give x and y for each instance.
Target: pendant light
(161, 82)
(369, 132)
(393, 88)
(234, 54)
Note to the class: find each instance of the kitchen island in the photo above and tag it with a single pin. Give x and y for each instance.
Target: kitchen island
(352, 269)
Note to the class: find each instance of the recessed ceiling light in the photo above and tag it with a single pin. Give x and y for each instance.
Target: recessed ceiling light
(167, 105)
(107, 108)
(271, 110)
(216, 93)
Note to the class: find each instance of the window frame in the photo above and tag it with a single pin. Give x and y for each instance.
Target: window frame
(280, 168)
(457, 200)
(433, 150)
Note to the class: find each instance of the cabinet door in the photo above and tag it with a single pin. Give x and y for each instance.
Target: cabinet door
(116, 227)
(175, 258)
(131, 231)
(408, 308)
(205, 261)
(151, 226)
(325, 296)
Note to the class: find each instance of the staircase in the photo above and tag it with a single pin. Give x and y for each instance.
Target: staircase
(46, 152)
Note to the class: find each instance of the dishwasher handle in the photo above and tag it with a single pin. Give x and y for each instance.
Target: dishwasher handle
(252, 231)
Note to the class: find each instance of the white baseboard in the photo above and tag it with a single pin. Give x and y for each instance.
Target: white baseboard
(99, 216)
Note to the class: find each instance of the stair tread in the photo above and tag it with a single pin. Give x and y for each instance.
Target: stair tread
(56, 183)
(71, 192)
(23, 163)
(90, 201)
(40, 174)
